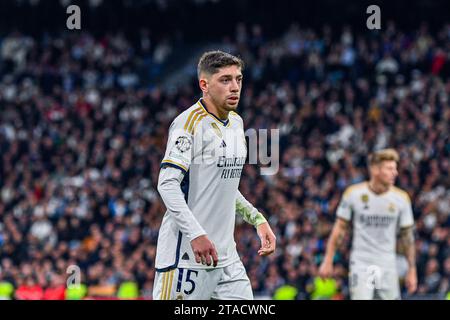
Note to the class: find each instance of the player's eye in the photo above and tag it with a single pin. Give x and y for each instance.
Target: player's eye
(225, 80)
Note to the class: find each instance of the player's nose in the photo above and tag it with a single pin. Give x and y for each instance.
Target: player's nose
(234, 86)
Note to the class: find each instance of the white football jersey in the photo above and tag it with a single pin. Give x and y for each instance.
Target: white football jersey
(376, 220)
(211, 153)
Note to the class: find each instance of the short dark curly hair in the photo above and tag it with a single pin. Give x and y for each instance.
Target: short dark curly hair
(211, 61)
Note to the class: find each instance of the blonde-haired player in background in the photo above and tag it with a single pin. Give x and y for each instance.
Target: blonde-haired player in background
(377, 212)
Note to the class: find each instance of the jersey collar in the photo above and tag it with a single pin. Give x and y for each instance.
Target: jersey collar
(225, 123)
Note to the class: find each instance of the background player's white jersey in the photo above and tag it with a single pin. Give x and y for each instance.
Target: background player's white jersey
(212, 154)
(376, 220)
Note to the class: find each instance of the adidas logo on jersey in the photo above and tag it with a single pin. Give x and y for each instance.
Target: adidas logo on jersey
(185, 256)
(223, 144)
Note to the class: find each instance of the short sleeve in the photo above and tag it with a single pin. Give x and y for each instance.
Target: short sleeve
(406, 214)
(344, 209)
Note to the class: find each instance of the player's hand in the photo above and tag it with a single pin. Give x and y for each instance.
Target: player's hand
(411, 280)
(268, 239)
(326, 269)
(204, 250)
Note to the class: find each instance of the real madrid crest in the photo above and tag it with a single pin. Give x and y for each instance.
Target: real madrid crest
(391, 207)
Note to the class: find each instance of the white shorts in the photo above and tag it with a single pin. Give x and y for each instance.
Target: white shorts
(368, 282)
(229, 283)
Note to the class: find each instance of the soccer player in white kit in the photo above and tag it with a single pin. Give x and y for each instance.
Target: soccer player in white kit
(196, 254)
(376, 211)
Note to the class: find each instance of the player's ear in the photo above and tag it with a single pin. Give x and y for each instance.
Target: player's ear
(203, 83)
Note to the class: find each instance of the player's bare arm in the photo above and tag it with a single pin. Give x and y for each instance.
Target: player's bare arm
(336, 239)
(406, 242)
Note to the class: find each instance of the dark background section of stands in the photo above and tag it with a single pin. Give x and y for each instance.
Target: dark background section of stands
(211, 19)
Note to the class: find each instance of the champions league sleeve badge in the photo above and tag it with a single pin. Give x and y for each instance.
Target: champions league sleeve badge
(183, 143)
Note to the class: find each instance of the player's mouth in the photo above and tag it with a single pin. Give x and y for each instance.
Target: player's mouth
(233, 99)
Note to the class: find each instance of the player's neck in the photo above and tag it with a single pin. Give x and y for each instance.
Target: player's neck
(377, 187)
(213, 109)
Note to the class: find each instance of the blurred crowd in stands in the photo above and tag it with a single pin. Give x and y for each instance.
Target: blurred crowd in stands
(82, 134)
